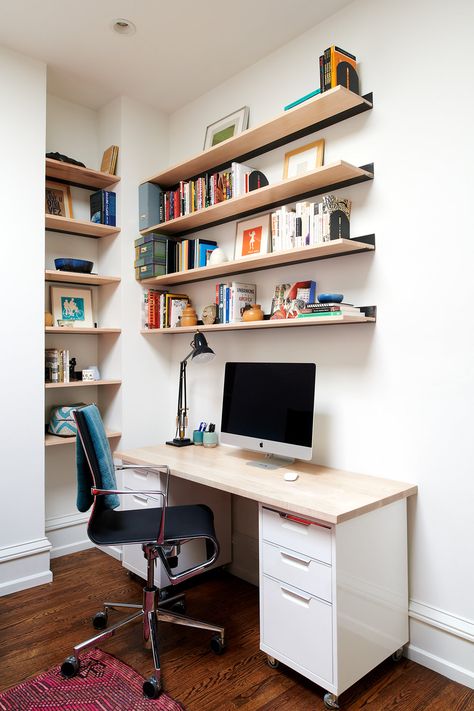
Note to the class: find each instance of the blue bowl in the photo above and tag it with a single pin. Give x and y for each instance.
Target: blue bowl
(335, 298)
(73, 265)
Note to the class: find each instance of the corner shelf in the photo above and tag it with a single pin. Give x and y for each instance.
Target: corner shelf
(329, 177)
(78, 176)
(78, 278)
(54, 441)
(81, 383)
(277, 323)
(312, 115)
(68, 225)
(81, 331)
(259, 262)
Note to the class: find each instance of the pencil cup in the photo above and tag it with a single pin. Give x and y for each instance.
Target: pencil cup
(197, 436)
(209, 439)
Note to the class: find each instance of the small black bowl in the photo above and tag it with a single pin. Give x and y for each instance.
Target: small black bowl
(65, 264)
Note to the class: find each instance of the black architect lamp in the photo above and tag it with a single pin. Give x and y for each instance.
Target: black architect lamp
(200, 353)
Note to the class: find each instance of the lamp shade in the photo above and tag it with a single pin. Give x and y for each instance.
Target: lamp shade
(201, 351)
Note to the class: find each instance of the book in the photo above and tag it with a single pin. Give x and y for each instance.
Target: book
(103, 207)
(302, 99)
(290, 299)
(176, 307)
(241, 297)
(109, 160)
(168, 298)
(338, 67)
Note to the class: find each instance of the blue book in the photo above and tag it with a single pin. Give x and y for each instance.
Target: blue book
(303, 98)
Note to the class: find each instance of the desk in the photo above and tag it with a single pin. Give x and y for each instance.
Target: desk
(333, 582)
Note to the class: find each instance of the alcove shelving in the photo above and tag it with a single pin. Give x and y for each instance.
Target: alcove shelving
(65, 331)
(83, 228)
(53, 440)
(81, 383)
(78, 278)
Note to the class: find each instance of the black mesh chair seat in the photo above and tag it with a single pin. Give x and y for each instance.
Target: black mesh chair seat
(108, 527)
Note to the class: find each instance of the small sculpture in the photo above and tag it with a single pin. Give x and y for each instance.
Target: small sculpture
(217, 256)
(209, 314)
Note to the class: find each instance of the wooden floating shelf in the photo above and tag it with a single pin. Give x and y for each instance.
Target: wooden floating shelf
(78, 176)
(57, 223)
(54, 441)
(328, 177)
(335, 248)
(312, 115)
(81, 383)
(251, 325)
(80, 331)
(78, 278)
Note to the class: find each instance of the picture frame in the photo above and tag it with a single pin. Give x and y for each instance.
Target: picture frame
(303, 159)
(252, 237)
(226, 127)
(71, 306)
(58, 199)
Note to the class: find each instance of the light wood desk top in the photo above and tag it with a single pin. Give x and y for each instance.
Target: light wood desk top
(330, 495)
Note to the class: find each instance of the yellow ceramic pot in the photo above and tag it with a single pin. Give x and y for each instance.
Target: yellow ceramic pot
(254, 313)
(189, 317)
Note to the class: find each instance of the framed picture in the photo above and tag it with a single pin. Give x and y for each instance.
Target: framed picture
(252, 237)
(227, 127)
(304, 159)
(58, 199)
(72, 307)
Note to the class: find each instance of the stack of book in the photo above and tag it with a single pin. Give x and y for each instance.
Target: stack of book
(289, 300)
(338, 67)
(233, 299)
(156, 255)
(333, 310)
(161, 309)
(204, 191)
(56, 363)
(310, 223)
(109, 160)
(103, 207)
(193, 253)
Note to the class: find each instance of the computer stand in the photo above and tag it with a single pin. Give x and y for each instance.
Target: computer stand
(271, 461)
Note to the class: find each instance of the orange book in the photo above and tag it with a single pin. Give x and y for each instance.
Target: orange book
(344, 69)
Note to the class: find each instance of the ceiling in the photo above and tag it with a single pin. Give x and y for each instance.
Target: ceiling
(180, 50)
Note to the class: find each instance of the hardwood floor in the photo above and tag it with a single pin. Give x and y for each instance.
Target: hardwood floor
(39, 627)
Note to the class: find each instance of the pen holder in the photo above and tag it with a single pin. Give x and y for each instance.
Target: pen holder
(209, 439)
(197, 436)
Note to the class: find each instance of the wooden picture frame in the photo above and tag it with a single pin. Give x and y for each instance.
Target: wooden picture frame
(303, 159)
(71, 307)
(252, 236)
(58, 199)
(226, 127)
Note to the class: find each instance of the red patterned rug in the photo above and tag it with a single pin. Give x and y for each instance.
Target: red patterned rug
(102, 684)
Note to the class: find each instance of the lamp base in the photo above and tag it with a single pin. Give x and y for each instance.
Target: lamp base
(176, 442)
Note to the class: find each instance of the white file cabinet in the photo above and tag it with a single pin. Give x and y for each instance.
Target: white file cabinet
(180, 492)
(333, 598)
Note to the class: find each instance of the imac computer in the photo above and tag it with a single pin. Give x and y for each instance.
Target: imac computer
(269, 407)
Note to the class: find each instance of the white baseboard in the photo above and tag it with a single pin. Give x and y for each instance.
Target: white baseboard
(24, 565)
(442, 641)
(68, 534)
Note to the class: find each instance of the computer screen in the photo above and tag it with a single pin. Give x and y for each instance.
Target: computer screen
(269, 407)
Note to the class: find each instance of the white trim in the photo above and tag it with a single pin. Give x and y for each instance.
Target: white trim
(21, 550)
(67, 548)
(24, 565)
(56, 523)
(446, 621)
(462, 675)
(28, 581)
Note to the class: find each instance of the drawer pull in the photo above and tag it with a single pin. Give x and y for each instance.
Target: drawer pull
(140, 499)
(302, 521)
(298, 598)
(293, 559)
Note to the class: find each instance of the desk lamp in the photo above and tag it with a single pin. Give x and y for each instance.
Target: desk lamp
(200, 353)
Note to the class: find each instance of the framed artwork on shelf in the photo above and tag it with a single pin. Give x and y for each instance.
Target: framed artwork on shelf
(303, 159)
(252, 236)
(72, 307)
(227, 127)
(58, 199)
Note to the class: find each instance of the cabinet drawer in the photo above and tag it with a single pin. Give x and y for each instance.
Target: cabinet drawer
(297, 569)
(298, 626)
(309, 539)
(141, 479)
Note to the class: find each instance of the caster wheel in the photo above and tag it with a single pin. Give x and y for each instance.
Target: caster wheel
(179, 607)
(272, 662)
(396, 656)
(70, 667)
(151, 688)
(330, 701)
(217, 645)
(100, 620)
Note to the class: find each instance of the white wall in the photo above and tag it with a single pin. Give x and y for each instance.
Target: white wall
(24, 550)
(392, 400)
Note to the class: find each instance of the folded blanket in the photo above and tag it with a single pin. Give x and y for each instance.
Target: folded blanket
(104, 459)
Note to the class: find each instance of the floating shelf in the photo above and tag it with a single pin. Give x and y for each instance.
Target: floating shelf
(328, 177)
(81, 383)
(78, 278)
(335, 248)
(57, 223)
(78, 176)
(80, 331)
(251, 325)
(323, 110)
(54, 441)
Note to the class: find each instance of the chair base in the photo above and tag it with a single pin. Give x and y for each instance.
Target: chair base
(150, 612)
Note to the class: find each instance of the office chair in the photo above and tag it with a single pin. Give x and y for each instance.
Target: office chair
(161, 531)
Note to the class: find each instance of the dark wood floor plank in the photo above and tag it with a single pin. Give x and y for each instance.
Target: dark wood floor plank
(39, 627)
